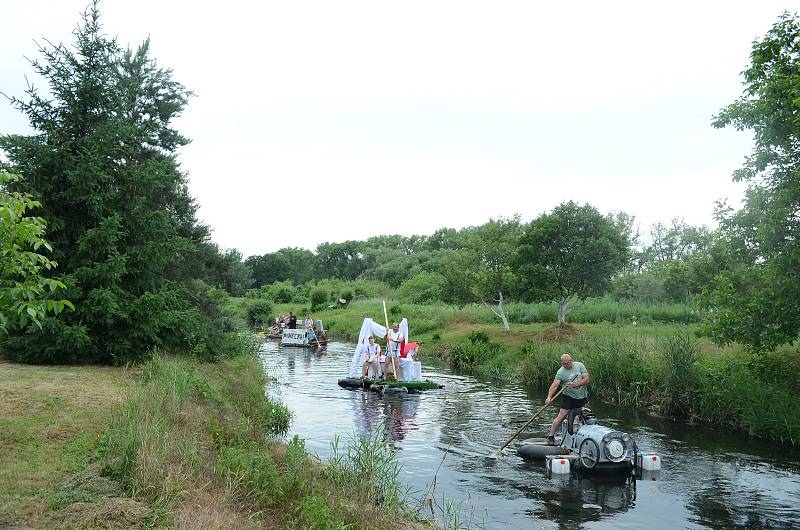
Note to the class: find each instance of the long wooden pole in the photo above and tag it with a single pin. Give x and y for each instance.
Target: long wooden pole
(388, 339)
(534, 416)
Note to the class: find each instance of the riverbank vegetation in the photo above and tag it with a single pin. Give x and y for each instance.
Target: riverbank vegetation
(182, 444)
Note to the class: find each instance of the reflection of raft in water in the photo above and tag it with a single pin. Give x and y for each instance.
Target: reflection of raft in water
(366, 383)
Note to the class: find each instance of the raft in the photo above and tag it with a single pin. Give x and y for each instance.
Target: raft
(366, 383)
(537, 449)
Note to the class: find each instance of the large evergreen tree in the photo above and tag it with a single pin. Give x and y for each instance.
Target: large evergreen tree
(120, 217)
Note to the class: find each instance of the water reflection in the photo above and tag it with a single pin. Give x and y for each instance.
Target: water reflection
(394, 412)
(577, 500)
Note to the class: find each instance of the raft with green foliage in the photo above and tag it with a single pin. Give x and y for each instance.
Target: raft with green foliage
(367, 382)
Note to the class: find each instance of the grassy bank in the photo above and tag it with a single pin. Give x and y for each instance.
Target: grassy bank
(199, 444)
(51, 421)
(185, 445)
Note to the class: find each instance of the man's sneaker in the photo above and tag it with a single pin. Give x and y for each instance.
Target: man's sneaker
(551, 440)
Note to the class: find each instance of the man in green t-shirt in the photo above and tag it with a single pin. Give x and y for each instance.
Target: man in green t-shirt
(574, 376)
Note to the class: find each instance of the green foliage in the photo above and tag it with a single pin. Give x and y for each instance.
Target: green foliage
(372, 464)
(478, 349)
(319, 297)
(492, 247)
(259, 312)
(680, 353)
(572, 252)
(25, 292)
(120, 217)
(754, 300)
(423, 288)
(478, 337)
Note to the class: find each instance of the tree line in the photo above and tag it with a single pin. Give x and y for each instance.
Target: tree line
(104, 259)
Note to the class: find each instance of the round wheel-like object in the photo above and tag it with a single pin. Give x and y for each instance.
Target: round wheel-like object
(589, 454)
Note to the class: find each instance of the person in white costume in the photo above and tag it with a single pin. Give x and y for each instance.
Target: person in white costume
(369, 328)
(375, 363)
(396, 342)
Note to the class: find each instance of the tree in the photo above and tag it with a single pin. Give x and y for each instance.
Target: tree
(25, 293)
(493, 246)
(343, 261)
(754, 299)
(570, 253)
(120, 217)
(225, 270)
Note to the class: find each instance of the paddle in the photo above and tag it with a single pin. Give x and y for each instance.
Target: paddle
(564, 386)
(386, 317)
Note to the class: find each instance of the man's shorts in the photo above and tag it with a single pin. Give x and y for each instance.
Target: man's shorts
(569, 402)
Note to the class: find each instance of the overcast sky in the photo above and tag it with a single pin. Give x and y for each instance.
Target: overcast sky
(329, 121)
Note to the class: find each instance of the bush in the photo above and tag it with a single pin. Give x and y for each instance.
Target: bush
(259, 311)
(425, 287)
(281, 292)
(478, 337)
(469, 355)
(318, 297)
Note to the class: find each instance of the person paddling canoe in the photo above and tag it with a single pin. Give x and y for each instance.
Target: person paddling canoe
(574, 376)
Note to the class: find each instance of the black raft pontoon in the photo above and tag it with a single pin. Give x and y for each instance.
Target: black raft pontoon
(367, 382)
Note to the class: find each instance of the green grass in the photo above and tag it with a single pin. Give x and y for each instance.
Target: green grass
(189, 429)
(51, 420)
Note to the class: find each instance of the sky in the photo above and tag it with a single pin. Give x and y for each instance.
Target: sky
(330, 121)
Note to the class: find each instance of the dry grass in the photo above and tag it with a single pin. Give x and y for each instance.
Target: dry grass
(51, 419)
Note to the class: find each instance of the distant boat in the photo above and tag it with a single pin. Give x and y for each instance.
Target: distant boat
(300, 338)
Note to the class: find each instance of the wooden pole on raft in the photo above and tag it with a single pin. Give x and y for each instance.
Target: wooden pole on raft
(388, 339)
(534, 416)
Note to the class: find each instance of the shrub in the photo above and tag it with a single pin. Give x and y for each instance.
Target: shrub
(318, 297)
(425, 287)
(259, 311)
(468, 355)
(478, 337)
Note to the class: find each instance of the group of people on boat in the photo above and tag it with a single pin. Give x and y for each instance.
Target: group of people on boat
(290, 322)
(400, 360)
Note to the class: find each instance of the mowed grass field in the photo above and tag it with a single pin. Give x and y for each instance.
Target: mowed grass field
(51, 421)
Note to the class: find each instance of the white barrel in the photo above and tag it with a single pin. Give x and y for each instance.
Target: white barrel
(650, 462)
(558, 466)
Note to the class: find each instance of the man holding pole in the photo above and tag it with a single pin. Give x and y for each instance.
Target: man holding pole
(574, 376)
(394, 347)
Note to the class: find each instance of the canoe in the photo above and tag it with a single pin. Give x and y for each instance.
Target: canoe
(366, 382)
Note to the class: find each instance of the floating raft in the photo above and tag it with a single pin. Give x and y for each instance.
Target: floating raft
(366, 383)
(537, 449)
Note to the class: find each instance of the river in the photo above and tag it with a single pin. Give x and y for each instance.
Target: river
(710, 478)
